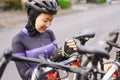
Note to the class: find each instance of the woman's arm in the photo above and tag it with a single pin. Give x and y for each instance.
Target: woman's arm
(24, 69)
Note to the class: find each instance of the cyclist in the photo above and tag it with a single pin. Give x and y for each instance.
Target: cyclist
(35, 39)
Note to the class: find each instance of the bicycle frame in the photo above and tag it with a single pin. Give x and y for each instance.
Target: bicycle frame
(112, 69)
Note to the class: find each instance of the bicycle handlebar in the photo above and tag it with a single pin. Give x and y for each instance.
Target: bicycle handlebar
(45, 63)
(113, 36)
(111, 43)
(13, 57)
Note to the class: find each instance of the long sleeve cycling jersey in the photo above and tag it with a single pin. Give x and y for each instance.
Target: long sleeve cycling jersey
(24, 45)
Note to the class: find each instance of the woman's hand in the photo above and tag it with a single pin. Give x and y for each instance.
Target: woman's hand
(71, 44)
(69, 47)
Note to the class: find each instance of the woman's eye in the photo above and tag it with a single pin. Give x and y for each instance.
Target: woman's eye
(45, 20)
(51, 20)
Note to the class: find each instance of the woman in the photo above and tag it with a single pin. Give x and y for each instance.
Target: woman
(35, 39)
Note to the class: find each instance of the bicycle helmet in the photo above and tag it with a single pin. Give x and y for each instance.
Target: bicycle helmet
(34, 8)
(45, 6)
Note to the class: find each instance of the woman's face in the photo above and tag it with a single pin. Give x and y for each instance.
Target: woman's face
(43, 21)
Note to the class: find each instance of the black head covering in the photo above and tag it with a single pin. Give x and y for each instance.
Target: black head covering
(32, 15)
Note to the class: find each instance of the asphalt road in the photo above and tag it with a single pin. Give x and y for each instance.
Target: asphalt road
(102, 20)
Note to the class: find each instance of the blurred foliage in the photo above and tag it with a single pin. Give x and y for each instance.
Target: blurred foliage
(12, 4)
(100, 1)
(96, 1)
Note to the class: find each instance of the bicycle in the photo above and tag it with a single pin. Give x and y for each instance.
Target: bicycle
(95, 59)
(113, 72)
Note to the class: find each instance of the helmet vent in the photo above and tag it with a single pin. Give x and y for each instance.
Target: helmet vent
(46, 4)
(52, 4)
(38, 5)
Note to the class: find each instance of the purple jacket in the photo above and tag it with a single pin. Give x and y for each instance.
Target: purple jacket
(24, 45)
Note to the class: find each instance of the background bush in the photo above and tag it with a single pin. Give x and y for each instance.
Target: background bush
(13, 4)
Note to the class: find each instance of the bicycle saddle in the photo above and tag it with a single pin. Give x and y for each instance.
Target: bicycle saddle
(87, 33)
(97, 50)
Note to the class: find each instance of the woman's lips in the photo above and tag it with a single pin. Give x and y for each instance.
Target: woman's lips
(44, 28)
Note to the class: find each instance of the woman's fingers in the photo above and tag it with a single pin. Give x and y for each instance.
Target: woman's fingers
(71, 44)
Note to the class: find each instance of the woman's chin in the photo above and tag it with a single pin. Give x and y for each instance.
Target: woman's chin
(42, 31)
